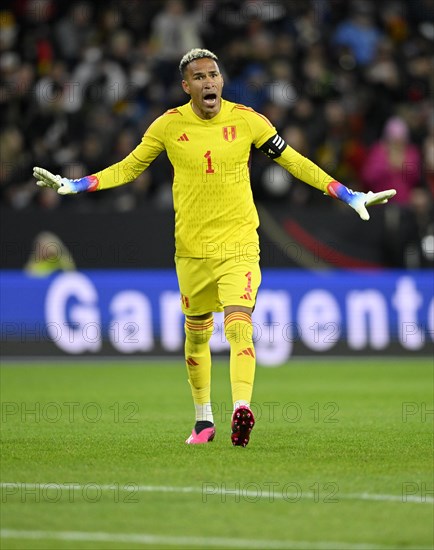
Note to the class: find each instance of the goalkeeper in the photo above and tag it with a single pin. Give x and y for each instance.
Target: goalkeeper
(208, 142)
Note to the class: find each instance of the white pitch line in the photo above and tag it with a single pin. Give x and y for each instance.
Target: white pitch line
(201, 542)
(211, 491)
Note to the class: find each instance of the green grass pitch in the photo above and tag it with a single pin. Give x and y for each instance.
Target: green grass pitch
(341, 457)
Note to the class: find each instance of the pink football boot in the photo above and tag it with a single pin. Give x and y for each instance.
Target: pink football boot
(204, 436)
(242, 424)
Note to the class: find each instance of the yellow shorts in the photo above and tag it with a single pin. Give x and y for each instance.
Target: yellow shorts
(212, 284)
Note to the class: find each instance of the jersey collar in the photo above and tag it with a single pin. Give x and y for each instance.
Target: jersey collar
(209, 120)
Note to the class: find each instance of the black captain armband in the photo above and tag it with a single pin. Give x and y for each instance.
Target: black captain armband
(273, 147)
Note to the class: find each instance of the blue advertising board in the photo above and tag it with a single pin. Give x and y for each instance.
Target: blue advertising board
(137, 312)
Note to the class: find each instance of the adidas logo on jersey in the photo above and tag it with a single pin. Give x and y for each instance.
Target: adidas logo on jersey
(184, 137)
(246, 296)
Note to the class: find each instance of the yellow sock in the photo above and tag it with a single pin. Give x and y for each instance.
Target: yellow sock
(198, 358)
(239, 333)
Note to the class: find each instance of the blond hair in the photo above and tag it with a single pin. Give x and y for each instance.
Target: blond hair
(192, 55)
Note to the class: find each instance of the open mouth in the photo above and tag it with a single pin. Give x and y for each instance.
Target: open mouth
(210, 99)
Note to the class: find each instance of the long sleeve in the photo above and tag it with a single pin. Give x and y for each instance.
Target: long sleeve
(304, 169)
(137, 161)
(298, 165)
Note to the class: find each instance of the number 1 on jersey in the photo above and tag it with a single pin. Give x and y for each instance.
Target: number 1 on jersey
(209, 168)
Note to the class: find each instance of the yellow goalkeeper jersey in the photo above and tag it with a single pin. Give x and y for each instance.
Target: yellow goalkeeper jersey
(212, 196)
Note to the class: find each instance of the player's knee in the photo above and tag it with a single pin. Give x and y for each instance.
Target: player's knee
(238, 328)
(199, 333)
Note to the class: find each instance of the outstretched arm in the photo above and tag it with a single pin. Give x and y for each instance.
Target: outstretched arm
(120, 173)
(308, 172)
(358, 200)
(64, 186)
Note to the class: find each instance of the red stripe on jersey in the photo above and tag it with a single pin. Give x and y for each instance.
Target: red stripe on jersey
(242, 108)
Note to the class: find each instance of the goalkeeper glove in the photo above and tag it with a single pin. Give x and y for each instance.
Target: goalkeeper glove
(64, 186)
(358, 200)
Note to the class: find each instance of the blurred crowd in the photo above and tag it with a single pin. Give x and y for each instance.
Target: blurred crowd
(347, 83)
